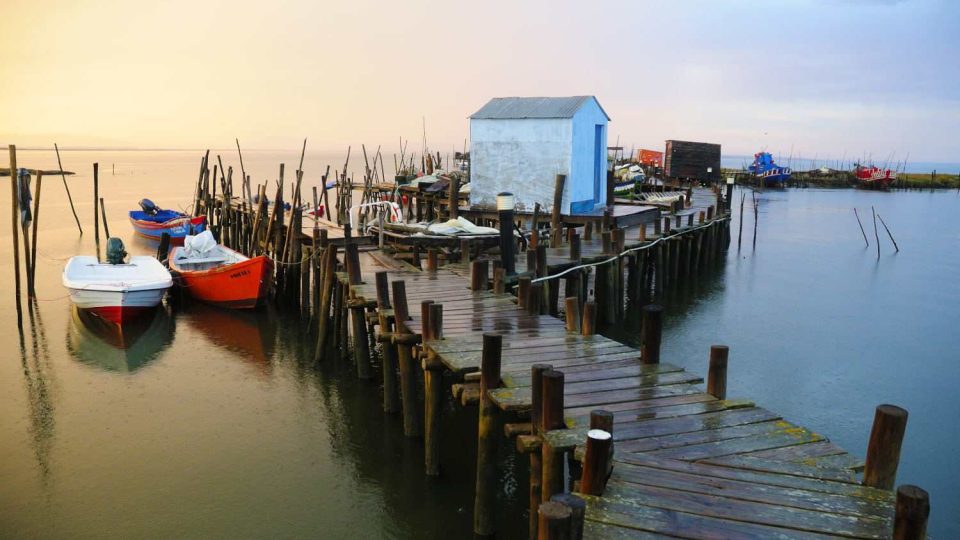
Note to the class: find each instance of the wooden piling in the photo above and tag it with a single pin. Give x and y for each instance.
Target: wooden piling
(479, 270)
(324, 332)
(36, 220)
(551, 416)
(588, 326)
(596, 462)
(488, 434)
(63, 177)
(578, 508)
(572, 306)
(96, 213)
(391, 399)
(499, 280)
(555, 212)
(912, 511)
(404, 343)
(554, 521)
(15, 216)
(536, 423)
(575, 250)
(652, 329)
(433, 259)
(883, 450)
(523, 291)
(361, 345)
(535, 302)
(717, 375)
(433, 397)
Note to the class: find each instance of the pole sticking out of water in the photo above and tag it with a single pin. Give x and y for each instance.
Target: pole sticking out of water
(96, 215)
(66, 187)
(33, 255)
(875, 234)
(756, 218)
(743, 197)
(878, 216)
(16, 239)
(861, 227)
(103, 213)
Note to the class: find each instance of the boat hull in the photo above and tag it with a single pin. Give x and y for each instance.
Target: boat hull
(177, 228)
(117, 307)
(241, 285)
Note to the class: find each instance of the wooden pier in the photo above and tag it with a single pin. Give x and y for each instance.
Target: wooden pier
(619, 444)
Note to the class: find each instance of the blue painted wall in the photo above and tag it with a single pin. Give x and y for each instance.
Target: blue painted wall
(583, 162)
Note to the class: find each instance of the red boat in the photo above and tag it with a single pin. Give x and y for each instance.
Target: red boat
(222, 276)
(874, 177)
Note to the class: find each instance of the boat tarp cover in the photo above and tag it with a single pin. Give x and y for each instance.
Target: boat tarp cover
(199, 245)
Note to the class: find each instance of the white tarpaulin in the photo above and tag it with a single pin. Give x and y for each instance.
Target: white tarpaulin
(459, 226)
(199, 245)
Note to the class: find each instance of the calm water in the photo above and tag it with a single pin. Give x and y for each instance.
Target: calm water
(213, 425)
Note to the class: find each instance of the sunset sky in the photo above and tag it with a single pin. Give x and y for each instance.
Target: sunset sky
(821, 77)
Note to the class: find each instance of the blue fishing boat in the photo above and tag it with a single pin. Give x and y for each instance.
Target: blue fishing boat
(769, 172)
(151, 222)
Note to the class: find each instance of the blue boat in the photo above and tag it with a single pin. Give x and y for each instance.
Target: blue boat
(152, 222)
(768, 172)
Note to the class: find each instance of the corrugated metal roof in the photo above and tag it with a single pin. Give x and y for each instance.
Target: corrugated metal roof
(534, 107)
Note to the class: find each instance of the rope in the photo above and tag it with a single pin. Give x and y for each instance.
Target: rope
(631, 250)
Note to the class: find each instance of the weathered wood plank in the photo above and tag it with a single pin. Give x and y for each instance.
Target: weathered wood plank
(637, 495)
(784, 468)
(785, 437)
(707, 468)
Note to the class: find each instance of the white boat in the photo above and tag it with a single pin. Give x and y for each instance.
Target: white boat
(116, 292)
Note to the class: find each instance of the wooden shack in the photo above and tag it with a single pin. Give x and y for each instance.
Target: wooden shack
(697, 161)
(520, 145)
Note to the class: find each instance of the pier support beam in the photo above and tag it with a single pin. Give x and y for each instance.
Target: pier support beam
(433, 397)
(488, 434)
(652, 331)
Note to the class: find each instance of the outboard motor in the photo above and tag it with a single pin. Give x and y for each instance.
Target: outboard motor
(115, 251)
(148, 207)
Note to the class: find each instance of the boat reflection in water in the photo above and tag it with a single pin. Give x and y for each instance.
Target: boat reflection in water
(249, 334)
(109, 346)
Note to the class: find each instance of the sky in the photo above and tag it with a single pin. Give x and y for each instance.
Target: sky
(804, 77)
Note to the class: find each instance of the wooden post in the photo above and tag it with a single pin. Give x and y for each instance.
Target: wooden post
(555, 212)
(596, 462)
(433, 260)
(390, 397)
(325, 333)
(96, 212)
(643, 233)
(575, 253)
(15, 217)
(479, 270)
(588, 231)
(913, 509)
(551, 417)
(578, 508)
(536, 469)
(36, 220)
(499, 280)
(507, 244)
(572, 304)
(454, 195)
(361, 345)
(652, 329)
(535, 298)
(717, 375)
(433, 397)
(523, 291)
(163, 250)
(408, 383)
(883, 450)
(589, 324)
(487, 437)
(554, 521)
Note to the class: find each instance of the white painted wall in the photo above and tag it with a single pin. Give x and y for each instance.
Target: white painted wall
(522, 156)
(581, 178)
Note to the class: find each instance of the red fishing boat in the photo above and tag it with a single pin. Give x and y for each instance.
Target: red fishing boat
(874, 177)
(220, 275)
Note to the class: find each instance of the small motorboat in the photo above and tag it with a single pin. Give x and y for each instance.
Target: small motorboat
(219, 275)
(116, 291)
(151, 222)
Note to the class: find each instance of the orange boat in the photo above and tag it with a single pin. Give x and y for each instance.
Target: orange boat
(222, 276)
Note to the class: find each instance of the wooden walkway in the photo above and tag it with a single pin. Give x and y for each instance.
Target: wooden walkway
(687, 464)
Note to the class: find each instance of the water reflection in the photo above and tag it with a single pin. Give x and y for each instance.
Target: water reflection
(124, 349)
(39, 381)
(251, 334)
